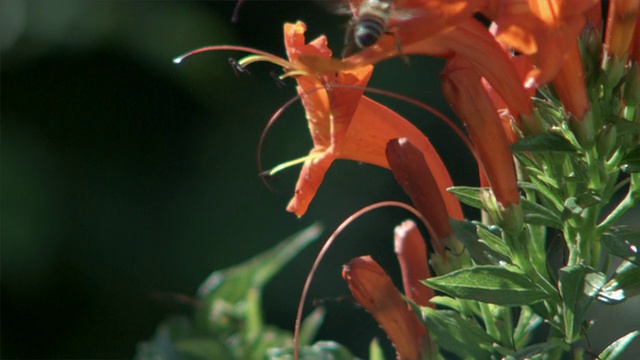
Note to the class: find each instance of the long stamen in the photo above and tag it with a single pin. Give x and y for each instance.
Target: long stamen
(267, 57)
(329, 243)
(290, 163)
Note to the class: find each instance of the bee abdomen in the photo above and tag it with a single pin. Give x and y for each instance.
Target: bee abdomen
(368, 30)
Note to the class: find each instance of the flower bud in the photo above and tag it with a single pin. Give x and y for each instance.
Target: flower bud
(606, 140)
(583, 129)
(372, 288)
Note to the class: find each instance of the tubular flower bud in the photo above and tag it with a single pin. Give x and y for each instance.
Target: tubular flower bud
(412, 255)
(373, 290)
(414, 175)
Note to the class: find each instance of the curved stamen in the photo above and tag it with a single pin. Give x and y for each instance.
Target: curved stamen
(265, 55)
(327, 245)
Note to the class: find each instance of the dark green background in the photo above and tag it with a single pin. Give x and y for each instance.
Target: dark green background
(127, 178)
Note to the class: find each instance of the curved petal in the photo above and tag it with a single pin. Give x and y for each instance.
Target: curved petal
(464, 90)
(469, 40)
(372, 127)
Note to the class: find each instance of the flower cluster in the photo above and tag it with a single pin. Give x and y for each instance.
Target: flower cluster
(549, 99)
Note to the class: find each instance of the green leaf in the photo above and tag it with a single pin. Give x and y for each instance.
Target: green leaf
(574, 206)
(527, 322)
(630, 162)
(624, 284)
(202, 348)
(536, 214)
(546, 142)
(468, 195)
(480, 253)
(578, 285)
(446, 301)
(493, 240)
(623, 241)
(491, 284)
(539, 351)
(168, 333)
(310, 326)
(375, 350)
(231, 297)
(321, 350)
(464, 338)
(617, 347)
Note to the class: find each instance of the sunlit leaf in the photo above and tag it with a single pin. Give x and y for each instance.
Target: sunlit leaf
(624, 284)
(492, 284)
(623, 241)
(617, 347)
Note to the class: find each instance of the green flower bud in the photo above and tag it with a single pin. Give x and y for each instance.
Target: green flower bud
(606, 140)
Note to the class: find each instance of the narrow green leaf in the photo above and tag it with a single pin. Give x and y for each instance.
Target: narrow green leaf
(536, 214)
(375, 350)
(446, 301)
(546, 142)
(624, 284)
(527, 322)
(482, 254)
(623, 241)
(579, 285)
(492, 284)
(242, 284)
(617, 347)
(468, 195)
(493, 241)
(464, 338)
(310, 326)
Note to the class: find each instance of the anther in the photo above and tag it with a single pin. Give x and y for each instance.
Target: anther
(279, 82)
(237, 68)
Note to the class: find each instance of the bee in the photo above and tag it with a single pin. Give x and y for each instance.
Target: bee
(369, 22)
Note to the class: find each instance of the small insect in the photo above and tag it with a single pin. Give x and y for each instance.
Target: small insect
(370, 20)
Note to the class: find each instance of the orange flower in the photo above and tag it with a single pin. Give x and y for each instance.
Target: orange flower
(346, 125)
(468, 39)
(463, 89)
(545, 30)
(373, 289)
(621, 21)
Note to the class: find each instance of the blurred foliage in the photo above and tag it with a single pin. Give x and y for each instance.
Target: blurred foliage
(126, 177)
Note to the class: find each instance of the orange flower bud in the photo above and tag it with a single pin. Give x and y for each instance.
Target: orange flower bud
(412, 255)
(373, 290)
